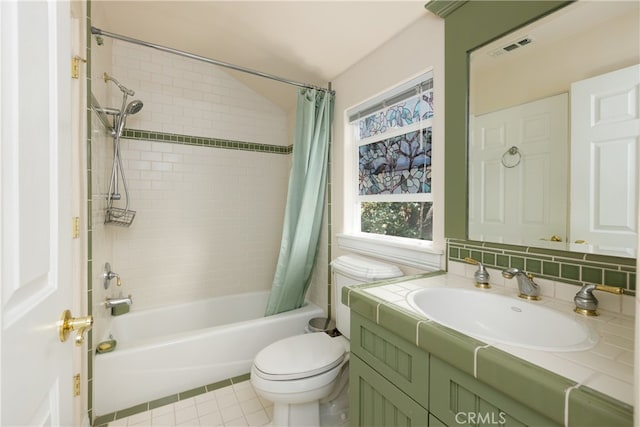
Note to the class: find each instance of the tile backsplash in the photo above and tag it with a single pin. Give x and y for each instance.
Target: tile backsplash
(568, 267)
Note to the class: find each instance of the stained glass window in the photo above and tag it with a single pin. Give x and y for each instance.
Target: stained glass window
(397, 165)
(394, 141)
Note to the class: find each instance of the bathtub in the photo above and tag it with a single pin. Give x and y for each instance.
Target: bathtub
(167, 350)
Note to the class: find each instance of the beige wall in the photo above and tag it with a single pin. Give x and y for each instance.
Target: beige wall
(533, 72)
(410, 53)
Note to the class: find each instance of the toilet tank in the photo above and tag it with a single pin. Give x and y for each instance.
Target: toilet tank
(351, 270)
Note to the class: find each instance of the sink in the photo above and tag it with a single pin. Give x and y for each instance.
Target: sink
(495, 318)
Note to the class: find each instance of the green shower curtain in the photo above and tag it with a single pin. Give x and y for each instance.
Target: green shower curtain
(305, 201)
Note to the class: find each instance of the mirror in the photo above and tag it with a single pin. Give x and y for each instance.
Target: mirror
(554, 129)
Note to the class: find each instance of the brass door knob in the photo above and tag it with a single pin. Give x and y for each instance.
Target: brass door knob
(68, 323)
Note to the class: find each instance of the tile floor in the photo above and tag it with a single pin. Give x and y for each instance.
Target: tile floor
(236, 405)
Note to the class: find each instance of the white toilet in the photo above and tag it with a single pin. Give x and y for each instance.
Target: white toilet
(301, 373)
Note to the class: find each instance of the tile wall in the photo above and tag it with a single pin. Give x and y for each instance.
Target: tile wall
(207, 164)
(568, 267)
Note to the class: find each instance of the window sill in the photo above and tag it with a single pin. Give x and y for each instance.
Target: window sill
(411, 252)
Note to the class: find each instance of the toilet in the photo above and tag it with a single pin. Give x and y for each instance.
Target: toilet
(306, 376)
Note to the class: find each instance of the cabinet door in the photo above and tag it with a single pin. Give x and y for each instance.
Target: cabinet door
(457, 398)
(400, 362)
(375, 402)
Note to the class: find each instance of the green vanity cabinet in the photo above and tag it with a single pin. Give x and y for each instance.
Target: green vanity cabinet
(395, 383)
(389, 378)
(375, 402)
(459, 399)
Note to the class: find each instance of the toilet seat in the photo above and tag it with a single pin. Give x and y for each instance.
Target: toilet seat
(298, 357)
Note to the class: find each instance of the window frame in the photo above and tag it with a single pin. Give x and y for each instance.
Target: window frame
(422, 254)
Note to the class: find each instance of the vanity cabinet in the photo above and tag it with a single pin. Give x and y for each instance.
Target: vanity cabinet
(457, 398)
(395, 383)
(389, 383)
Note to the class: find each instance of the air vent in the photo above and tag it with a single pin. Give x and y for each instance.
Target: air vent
(511, 46)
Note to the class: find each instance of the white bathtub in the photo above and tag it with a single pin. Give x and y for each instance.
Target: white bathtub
(167, 350)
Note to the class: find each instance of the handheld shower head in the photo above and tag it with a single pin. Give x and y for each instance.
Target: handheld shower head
(132, 108)
(124, 89)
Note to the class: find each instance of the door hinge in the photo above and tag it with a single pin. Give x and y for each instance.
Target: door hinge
(75, 66)
(75, 227)
(76, 385)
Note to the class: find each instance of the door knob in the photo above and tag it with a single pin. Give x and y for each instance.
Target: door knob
(68, 324)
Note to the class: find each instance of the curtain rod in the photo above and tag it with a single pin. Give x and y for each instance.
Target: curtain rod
(98, 32)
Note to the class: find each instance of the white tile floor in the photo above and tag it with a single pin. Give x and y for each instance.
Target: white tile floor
(236, 405)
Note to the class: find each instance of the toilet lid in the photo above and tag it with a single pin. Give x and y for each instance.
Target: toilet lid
(299, 356)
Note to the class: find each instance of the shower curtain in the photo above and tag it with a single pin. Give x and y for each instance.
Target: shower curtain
(305, 201)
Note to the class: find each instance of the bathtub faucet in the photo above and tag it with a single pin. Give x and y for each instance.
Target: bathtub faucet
(115, 302)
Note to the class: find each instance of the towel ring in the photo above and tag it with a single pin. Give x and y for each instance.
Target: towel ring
(512, 152)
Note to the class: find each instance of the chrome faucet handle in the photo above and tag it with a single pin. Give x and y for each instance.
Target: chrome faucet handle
(528, 289)
(108, 275)
(481, 275)
(587, 303)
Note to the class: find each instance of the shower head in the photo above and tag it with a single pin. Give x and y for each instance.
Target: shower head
(132, 108)
(124, 90)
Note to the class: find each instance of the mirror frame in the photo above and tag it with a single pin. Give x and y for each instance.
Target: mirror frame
(463, 35)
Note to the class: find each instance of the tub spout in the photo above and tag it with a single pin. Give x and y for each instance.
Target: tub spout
(115, 302)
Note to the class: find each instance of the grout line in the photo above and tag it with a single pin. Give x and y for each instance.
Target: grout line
(475, 359)
(418, 331)
(567, 392)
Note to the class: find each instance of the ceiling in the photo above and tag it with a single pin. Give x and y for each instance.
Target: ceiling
(305, 41)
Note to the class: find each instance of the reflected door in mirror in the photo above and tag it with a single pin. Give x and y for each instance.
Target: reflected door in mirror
(605, 130)
(518, 174)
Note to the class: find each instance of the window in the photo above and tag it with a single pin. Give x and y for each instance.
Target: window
(393, 138)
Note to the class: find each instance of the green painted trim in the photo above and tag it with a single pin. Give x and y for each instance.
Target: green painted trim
(443, 8)
(462, 35)
(468, 28)
(228, 144)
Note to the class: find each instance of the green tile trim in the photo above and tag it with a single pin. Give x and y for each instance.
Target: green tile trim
(568, 267)
(535, 387)
(241, 378)
(103, 420)
(184, 395)
(219, 384)
(88, 214)
(173, 138)
(163, 401)
(589, 407)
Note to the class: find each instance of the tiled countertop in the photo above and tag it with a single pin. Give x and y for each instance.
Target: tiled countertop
(607, 368)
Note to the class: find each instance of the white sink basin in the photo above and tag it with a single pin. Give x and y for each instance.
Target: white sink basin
(494, 318)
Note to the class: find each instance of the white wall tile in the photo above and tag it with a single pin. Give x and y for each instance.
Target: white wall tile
(208, 221)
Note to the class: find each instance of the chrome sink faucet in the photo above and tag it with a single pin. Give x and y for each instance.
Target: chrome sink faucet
(528, 288)
(587, 303)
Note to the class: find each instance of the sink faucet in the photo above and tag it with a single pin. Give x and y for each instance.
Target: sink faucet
(587, 303)
(481, 275)
(528, 288)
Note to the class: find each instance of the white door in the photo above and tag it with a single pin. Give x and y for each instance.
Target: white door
(605, 131)
(35, 220)
(519, 194)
